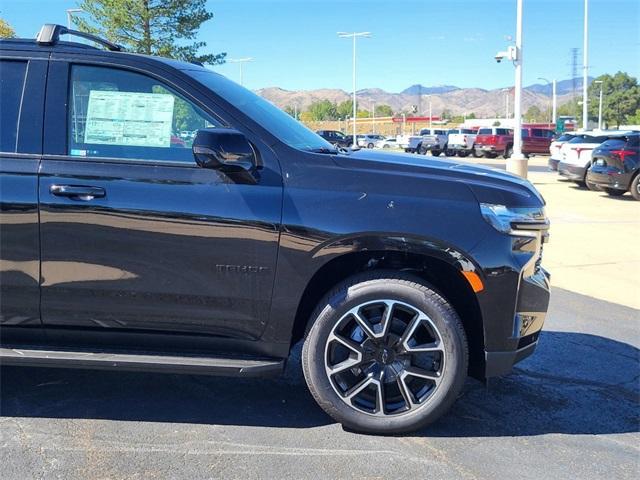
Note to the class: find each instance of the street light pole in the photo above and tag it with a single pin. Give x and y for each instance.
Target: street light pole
(585, 67)
(353, 35)
(600, 105)
(241, 61)
(554, 104)
(517, 163)
(374, 117)
(430, 113)
(553, 98)
(70, 12)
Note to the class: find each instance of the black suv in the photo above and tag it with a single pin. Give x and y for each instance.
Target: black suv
(124, 247)
(616, 166)
(336, 138)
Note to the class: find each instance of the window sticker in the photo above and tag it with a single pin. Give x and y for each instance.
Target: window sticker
(129, 118)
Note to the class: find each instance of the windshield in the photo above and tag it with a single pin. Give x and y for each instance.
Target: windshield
(280, 124)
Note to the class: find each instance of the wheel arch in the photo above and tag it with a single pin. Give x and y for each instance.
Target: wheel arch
(442, 268)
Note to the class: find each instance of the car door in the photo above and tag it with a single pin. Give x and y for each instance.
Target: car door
(134, 235)
(22, 83)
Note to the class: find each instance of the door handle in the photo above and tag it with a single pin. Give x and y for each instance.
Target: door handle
(77, 192)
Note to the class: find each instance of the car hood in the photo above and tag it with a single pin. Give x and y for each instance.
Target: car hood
(490, 185)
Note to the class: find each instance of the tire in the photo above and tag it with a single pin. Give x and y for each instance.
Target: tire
(635, 187)
(370, 145)
(436, 153)
(490, 155)
(463, 153)
(614, 192)
(398, 409)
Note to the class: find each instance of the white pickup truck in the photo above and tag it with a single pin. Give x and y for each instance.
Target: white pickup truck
(430, 139)
(461, 141)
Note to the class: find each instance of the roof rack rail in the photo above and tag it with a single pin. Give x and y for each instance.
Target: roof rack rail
(50, 33)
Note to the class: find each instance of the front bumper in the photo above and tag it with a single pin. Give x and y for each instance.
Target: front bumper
(572, 172)
(531, 311)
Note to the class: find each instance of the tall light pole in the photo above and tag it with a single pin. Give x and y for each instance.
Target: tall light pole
(517, 163)
(241, 61)
(600, 105)
(70, 12)
(585, 66)
(430, 110)
(354, 35)
(506, 102)
(373, 112)
(553, 99)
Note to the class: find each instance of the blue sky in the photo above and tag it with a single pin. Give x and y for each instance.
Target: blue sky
(433, 42)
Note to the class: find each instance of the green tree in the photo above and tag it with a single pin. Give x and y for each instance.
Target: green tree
(154, 27)
(384, 111)
(345, 109)
(6, 30)
(322, 110)
(534, 114)
(620, 98)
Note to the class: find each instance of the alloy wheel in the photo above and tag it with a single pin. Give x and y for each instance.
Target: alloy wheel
(385, 357)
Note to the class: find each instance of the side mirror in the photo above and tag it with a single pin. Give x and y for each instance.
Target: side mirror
(224, 149)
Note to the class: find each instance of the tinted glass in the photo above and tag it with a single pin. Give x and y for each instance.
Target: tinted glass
(11, 85)
(503, 131)
(614, 143)
(466, 130)
(577, 139)
(484, 131)
(280, 124)
(121, 114)
(564, 138)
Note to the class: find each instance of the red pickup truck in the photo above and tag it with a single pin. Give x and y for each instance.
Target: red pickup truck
(495, 141)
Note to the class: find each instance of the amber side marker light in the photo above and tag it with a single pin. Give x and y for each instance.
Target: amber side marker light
(474, 281)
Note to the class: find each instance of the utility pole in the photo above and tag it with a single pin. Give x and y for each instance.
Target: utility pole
(241, 61)
(585, 67)
(354, 35)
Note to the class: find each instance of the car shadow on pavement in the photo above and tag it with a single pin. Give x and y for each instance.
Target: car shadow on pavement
(574, 384)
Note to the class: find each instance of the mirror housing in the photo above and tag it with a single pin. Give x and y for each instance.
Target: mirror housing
(224, 149)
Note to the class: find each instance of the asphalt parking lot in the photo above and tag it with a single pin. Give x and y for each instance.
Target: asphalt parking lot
(569, 411)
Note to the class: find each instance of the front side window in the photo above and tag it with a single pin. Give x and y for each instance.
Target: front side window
(12, 75)
(117, 113)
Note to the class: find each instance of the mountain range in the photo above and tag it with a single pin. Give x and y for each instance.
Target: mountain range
(459, 101)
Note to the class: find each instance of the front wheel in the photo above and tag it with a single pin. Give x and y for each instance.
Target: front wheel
(370, 145)
(385, 353)
(436, 153)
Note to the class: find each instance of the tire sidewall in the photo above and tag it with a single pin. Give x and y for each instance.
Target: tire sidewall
(340, 303)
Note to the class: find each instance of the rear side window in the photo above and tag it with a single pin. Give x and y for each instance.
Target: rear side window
(12, 74)
(484, 131)
(503, 131)
(578, 139)
(116, 113)
(564, 138)
(614, 143)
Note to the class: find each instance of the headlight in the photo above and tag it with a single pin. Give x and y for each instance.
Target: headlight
(521, 221)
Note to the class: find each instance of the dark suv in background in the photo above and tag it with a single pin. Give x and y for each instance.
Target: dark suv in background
(336, 138)
(123, 249)
(615, 166)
